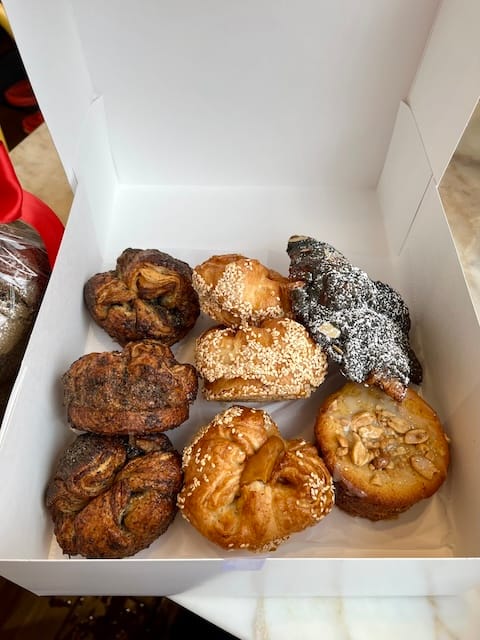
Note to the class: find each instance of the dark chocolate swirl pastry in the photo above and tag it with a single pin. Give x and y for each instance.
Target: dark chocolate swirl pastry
(148, 296)
(142, 389)
(111, 497)
(362, 324)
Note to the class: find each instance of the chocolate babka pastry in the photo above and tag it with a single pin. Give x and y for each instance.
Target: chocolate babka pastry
(111, 497)
(362, 324)
(148, 296)
(142, 389)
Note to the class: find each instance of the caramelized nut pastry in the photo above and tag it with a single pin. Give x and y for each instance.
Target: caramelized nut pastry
(384, 455)
(362, 324)
(245, 487)
(141, 389)
(276, 360)
(111, 497)
(234, 290)
(148, 296)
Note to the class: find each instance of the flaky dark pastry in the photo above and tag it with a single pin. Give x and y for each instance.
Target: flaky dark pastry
(148, 295)
(111, 497)
(245, 487)
(362, 324)
(235, 290)
(141, 389)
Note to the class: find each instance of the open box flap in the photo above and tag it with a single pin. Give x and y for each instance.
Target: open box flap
(252, 93)
(447, 85)
(46, 36)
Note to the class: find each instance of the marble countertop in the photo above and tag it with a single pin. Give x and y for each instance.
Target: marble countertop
(415, 618)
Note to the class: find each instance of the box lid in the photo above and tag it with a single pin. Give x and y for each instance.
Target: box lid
(257, 92)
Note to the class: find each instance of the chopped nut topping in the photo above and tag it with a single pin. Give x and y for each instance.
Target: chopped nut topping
(359, 453)
(381, 462)
(415, 436)
(423, 466)
(362, 419)
(342, 440)
(370, 433)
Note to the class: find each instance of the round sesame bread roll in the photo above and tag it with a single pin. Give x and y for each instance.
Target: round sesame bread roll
(276, 360)
(384, 455)
(235, 290)
(245, 487)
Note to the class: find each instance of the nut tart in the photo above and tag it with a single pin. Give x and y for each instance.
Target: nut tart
(384, 455)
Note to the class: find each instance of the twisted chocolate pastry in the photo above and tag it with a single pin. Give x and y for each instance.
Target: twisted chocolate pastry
(111, 497)
(149, 295)
(362, 324)
(142, 389)
(245, 487)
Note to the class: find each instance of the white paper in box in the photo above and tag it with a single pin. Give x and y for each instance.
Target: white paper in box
(229, 128)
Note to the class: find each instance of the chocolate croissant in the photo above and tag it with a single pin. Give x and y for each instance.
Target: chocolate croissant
(111, 497)
(141, 389)
(362, 324)
(148, 296)
(246, 487)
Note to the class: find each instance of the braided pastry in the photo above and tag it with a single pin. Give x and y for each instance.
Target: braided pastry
(149, 295)
(141, 389)
(246, 487)
(362, 324)
(111, 497)
(234, 290)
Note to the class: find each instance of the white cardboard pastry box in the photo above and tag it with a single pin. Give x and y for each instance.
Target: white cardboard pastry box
(199, 128)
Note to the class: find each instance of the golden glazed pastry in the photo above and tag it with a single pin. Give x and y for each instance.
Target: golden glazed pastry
(235, 290)
(141, 389)
(111, 497)
(148, 296)
(276, 360)
(245, 487)
(384, 455)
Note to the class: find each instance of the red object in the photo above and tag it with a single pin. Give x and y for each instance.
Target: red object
(32, 121)
(18, 204)
(20, 94)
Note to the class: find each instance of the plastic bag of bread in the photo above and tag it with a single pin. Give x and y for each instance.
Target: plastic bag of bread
(24, 274)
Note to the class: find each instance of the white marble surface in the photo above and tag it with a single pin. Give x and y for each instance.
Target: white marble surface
(445, 618)
(415, 618)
